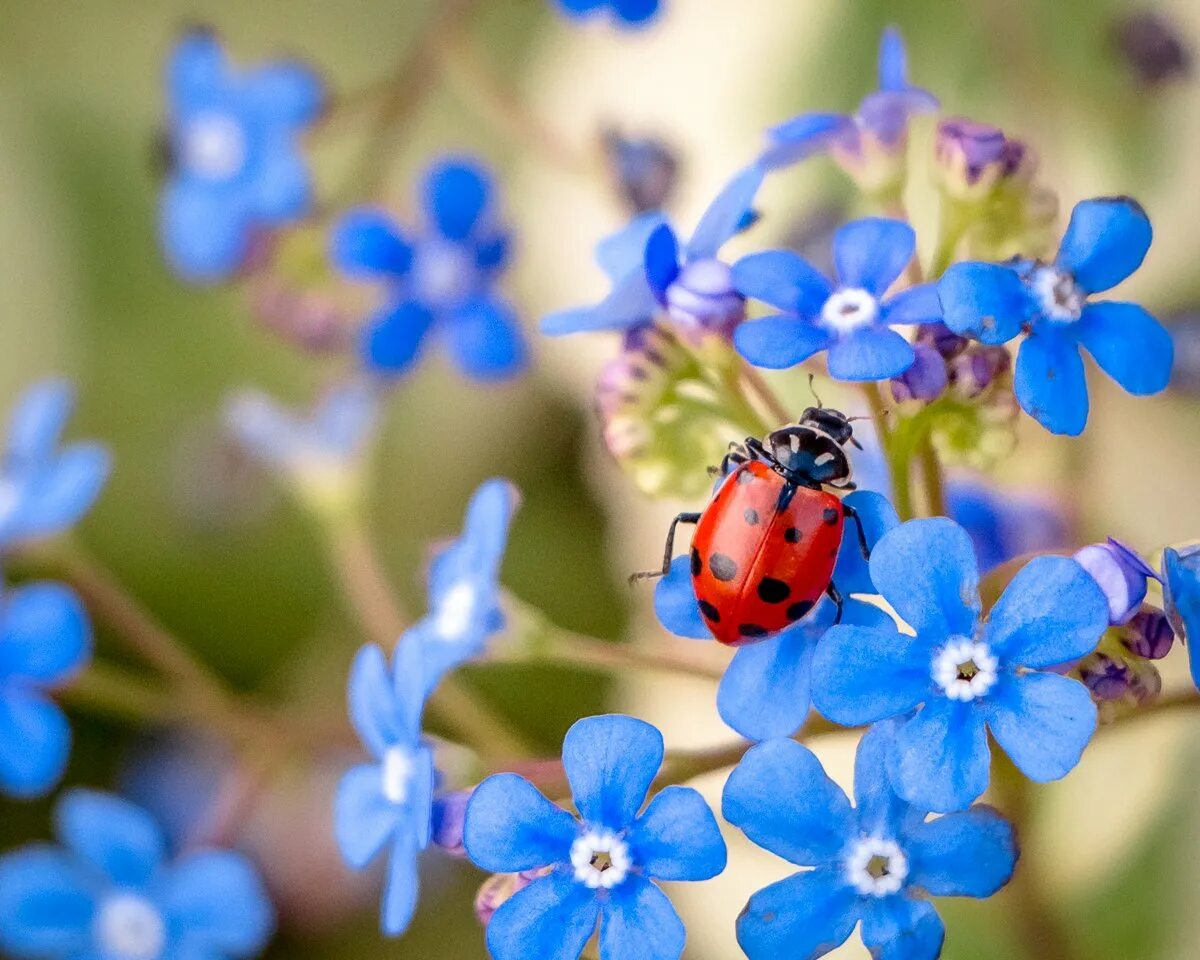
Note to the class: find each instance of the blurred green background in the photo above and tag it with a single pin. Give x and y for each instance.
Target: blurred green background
(239, 572)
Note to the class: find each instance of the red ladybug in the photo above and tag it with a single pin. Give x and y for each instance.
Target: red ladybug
(765, 546)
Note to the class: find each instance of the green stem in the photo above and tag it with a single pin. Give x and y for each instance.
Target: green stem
(562, 646)
(120, 695)
(766, 396)
(931, 471)
(954, 218)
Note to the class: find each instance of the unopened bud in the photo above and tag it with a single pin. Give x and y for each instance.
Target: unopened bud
(1148, 635)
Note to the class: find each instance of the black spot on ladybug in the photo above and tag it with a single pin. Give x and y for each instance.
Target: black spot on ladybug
(697, 563)
(830, 516)
(751, 516)
(799, 609)
(722, 567)
(792, 535)
(745, 477)
(751, 630)
(709, 611)
(771, 590)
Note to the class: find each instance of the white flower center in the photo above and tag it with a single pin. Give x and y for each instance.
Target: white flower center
(398, 769)
(876, 867)
(1058, 295)
(600, 859)
(848, 310)
(129, 927)
(456, 611)
(443, 273)
(964, 669)
(213, 146)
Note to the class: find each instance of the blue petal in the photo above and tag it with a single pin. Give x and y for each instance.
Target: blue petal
(805, 916)
(919, 304)
(677, 838)
(893, 61)
(675, 603)
(780, 797)
(639, 923)
(456, 192)
(510, 826)
(1130, 345)
(117, 838)
(635, 13)
(392, 342)
(218, 898)
(940, 759)
(205, 233)
(286, 91)
(372, 702)
(1106, 240)
(37, 422)
(45, 635)
(872, 253)
(610, 762)
(872, 353)
(552, 919)
(486, 341)
(987, 301)
(879, 810)
(780, 341)
(1182, 598)
(408, 689)
(968, 854)
(1051, 612)
(368, 243)
(630, 303)
(35, 741)
(1049, 382)
(926, 570)
(197, 66)
(902, 928)
(1042, 721)
(402, 887)
(282, 187)
(862, 674)
(878, 516)
(65, 492)
(624, 251)
(724, 215)
(662, 260)
(47, 904)
(803, 136)
(784, 280)
(485, 530)
(885, 113)
(363, 818)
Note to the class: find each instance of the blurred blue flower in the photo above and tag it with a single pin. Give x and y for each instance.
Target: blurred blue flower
(1004, 524)
(651, 270)
(110, 893)
(604, 863)
(45, 639)
(464, 584)
(1121, 573)
(873, 862)
(236, 164)
(440, 282)
(966, 676)
(44, 489)
(1181, 596)
(849, 318)
(765, 690)
(627, 13)
(1105, 242)
(880, 123)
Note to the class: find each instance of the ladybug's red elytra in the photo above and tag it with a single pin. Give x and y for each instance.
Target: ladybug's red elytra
(766, 545)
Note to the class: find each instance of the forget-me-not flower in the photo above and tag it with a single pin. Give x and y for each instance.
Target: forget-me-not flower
(236, 162)
(765, 690)
(441, 280)
(1181, 597)
(1105, 242)
(962, 675)
(872, 863)
(606, 861)
(111, 893)
(651, 270)
(850, 317)
(627, 13)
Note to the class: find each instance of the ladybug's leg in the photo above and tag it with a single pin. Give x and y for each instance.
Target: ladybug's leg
(836, 596)
(858, 525)
(669, 550)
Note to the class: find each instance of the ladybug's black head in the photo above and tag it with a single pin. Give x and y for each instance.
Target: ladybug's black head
(832, 422)
(811, 452)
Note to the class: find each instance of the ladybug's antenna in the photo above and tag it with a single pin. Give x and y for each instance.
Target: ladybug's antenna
(813, 390)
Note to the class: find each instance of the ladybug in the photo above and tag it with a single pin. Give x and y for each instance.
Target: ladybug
(766, 545)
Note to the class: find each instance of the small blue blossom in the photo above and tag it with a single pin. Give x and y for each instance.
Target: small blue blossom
(626, 13)
(236, 163)
(110, 892)
(604, 863)
(765, 690)
(850, 317)
(651, 270)
(881, 123)
(1121, 573)
(441, 281)
(967, 676)
(1181, 596)
(872, 863)
(1105, 242)
(1004, 524)
(45, 489)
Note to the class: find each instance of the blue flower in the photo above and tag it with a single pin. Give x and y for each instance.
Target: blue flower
(870, 862)
(441, 282)
(1181, 596)
(765, 690)
(651, 270)
(235, 150)
(605, 862)
(110, 892)
(849, 318)
(965, 675)
(44, 489)
(1121, 573)
(881, 122)
(464, 584)
(1105, 242)
(628, 13)
(1004, 524)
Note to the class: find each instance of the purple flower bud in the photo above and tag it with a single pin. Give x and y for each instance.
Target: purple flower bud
(944, 340)
(646, 170)
(500, 887)
(972, 371)
(1152, 48)
(1145, 682)
(703, 298)
(449, 812)
(1121, 574)
(1148, 634)
(1185, 331)
(925, 379)
(1106, 678)
(974, 157)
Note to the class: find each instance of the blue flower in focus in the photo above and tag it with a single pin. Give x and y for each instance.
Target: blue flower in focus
(765, 690)
(236, 163)
(464, 584)
(1181, 597)
(441, 281)
(964, 676)
(604, 863)
(110, 893)
(850, 318)
(881, 123)
(45, 489)
(1004, 524)
(1105, 242)
(628, 13)
(651, 270)
(872, 863)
